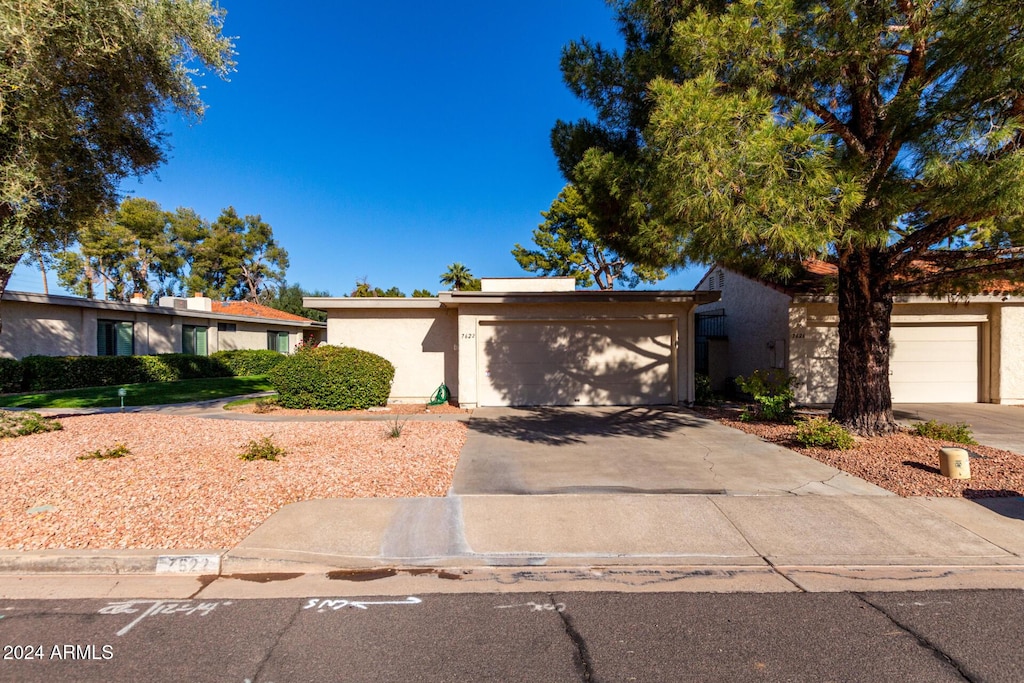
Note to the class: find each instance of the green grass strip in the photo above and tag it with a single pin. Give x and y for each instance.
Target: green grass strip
(148, 394)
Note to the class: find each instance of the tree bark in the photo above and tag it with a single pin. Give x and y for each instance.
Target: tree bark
(863, 400)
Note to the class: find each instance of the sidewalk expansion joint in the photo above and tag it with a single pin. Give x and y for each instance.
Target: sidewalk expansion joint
(784, 575)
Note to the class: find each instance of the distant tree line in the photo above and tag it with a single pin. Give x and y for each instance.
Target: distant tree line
(141, 249)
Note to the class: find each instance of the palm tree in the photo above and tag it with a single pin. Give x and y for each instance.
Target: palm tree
(457, 276)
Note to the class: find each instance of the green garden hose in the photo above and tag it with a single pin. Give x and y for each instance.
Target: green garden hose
(440, 396)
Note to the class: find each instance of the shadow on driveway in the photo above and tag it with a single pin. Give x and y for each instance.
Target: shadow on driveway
(631, 450)
(568, 426)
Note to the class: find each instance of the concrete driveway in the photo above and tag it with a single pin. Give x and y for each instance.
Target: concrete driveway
(663, 450)
(993, 425)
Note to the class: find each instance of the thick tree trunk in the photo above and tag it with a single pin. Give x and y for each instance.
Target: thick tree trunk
(7, 264)
(863, 401)
(12, 248)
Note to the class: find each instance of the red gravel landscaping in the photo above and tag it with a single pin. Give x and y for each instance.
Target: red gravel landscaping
(903, 463)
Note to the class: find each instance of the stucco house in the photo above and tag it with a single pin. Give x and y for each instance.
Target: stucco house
(962, 350)
(528, 342)
(38, 324)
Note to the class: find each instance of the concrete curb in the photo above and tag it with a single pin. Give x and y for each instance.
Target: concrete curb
(115, 562)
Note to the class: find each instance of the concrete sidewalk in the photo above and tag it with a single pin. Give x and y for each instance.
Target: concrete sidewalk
(729, 543)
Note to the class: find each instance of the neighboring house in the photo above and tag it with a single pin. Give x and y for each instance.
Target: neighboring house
(37, 324)
(528, 341)
(965, 350)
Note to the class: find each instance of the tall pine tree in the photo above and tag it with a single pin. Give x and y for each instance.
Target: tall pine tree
(885, 136)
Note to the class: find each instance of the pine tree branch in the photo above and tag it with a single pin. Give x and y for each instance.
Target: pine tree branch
(826, 116)
(1001, 267)
(937, 256)
(913, 245)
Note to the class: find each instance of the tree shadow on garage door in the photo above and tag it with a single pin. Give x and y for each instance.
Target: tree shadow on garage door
(553, 426)
(589, 362)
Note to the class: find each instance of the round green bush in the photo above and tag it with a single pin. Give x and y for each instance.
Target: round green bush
(332, 378)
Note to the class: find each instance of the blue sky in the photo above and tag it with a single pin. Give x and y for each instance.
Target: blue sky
(383, 140)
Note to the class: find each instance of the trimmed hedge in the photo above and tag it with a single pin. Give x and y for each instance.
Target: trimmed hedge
(249, 362)
(49, 373)
(332, 378)
(11, 376)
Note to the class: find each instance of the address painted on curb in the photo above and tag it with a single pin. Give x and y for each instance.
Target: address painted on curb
(188, 564)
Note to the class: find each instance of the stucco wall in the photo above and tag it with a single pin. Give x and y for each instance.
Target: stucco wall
(27, 330)
(420, 343)
(1008, 359)
(471, 315)
(249, 336)
(756, 322)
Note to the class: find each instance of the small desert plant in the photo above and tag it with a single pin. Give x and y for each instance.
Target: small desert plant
(118, 450)
(22, 424)
(265, 405)
(394, 428)
(943, 431)
(772, 391)
(262, 449)
(820, 432)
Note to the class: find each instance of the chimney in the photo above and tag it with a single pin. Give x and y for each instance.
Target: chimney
(140, 299)
(198, 302)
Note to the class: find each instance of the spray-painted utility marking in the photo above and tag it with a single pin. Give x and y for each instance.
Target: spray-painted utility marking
(157, 607)
(537, 606)
(322, 605)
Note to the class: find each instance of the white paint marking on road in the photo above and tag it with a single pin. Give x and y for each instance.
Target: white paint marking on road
(537, 606)
(321, 605)
(923, 604)
(158, 607)
(188, 564)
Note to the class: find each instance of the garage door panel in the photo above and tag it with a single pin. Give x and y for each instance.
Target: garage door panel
(604, 363)
(934, 364)
(936, 373)
(935, 333)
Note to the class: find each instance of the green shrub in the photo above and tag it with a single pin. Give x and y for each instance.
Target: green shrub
(14, 424)
(264, 449)
(118, 450)
(332, 378)
(943, 431)
(50, 373)
(772, 391)
(820, 432)
(11, 376)
(265, 405)
(171, 367)
(249, 362)
(702, 393)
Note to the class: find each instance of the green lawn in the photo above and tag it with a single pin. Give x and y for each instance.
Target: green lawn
(151, 393)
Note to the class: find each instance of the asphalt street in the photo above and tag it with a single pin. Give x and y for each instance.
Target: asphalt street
(918, 636)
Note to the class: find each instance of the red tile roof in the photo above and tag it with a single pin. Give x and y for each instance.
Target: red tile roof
(251, 310)
(816, 267)
(814, 277)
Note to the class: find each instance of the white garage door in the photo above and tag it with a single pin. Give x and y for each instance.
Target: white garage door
(575, 363)
(934, 364)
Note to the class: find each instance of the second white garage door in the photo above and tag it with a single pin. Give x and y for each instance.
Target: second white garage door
(528, 363)
(934, 364)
